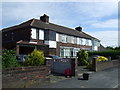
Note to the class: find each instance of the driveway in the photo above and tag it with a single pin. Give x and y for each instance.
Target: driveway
(102, 79)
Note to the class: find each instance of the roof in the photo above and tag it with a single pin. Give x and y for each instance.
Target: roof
(21, 42)
(50, 26)
(22, 25)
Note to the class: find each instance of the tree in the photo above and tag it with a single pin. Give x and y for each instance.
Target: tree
(9, 59)
(82, 58)
(36, 58)
(110, 48)
(117, 48)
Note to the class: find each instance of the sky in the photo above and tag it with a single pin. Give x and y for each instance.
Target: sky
(99, 19)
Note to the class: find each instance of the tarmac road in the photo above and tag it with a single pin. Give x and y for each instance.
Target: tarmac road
(103, 79)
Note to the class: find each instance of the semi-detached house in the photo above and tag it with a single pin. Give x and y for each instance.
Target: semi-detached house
(47, 37)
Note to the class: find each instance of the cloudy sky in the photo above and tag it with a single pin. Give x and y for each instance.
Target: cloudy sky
(99, 19)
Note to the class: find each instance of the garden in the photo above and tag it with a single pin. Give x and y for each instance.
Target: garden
(103, 59)
(32, 72)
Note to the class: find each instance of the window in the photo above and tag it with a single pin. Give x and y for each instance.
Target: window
(37, 34)
(33, 33)
(75, 50)
(72, 39)
(68, 51)
(96, 43)
(61, 52)
(80, 41)
(63, 38)
(87, 42)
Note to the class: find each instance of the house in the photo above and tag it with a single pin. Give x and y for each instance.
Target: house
(48, 37)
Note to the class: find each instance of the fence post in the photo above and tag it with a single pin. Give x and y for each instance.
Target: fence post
(94, 61)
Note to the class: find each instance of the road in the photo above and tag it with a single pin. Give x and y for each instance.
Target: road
(102, 79)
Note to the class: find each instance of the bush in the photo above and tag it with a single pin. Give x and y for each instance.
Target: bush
(113, 53)
(101, 58)
(90, 65)
(9, 59)
(36, 58)
(82, 58)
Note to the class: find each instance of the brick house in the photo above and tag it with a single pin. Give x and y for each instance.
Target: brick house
(48, 37)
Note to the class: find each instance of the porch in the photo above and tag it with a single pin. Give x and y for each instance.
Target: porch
(26, 48)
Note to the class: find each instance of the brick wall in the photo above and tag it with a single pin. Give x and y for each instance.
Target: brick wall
(98, 66)
(9, 38)
(23, 77)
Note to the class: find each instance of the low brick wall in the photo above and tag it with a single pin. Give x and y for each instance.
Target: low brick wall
(98, 66)
(24, 77)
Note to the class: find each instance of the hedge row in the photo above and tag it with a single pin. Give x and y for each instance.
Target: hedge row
(113, 53)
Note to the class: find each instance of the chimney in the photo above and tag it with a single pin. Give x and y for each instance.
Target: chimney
(44, 18)
(79, 29)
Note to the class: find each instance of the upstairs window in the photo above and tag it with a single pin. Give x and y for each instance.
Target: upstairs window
(63, 38)
(37, 34)
(72, 39)
(80, 41)
(87, 42)
(33, 33)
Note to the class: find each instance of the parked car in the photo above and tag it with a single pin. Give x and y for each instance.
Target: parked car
(93, 56)
(53, 57)
(21, 58)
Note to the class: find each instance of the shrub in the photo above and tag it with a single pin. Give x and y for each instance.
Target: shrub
(9, 59)
(36, 58)
(82, 58)
(90, 65)
(113, 53)
(101, 58)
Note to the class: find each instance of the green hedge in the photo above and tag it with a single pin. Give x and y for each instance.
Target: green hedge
(113, 53)
(9, 59)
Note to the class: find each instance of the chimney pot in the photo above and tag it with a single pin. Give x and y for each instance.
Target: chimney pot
(79, 29)
(44, 18)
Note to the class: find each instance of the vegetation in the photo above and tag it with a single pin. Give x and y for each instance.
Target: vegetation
(9, 59)
(113, 48)
(82, 58)
(36, 58)
(90, 65)
(101, 58)
(113, 53)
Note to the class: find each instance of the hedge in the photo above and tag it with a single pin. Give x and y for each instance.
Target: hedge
(9, 59)
(113, 53)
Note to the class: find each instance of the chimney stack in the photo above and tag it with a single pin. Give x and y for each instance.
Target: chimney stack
(44, 18)
(79, 29)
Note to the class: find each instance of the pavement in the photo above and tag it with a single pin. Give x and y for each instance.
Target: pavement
(102, 79)
(81, 70)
